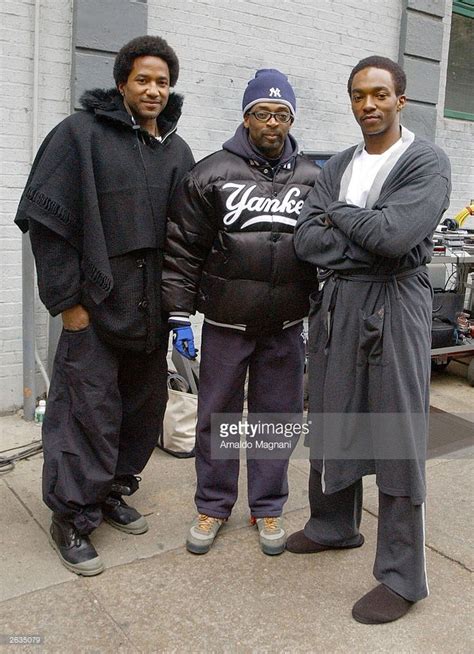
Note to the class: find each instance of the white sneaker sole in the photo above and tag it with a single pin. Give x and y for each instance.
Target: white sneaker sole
(194, 548)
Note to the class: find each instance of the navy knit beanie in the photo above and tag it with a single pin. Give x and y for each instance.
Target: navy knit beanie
(269, 85)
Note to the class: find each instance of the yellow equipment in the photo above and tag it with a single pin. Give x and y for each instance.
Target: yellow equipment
(463, 214)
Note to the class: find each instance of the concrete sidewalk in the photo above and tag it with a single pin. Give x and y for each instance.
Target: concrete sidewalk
(156, 597)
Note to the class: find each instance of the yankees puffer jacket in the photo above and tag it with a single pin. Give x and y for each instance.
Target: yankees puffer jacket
(229, 250)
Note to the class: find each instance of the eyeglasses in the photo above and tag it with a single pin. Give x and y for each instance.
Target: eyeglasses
(264, 116)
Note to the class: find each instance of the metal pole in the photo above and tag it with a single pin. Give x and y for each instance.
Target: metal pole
(28, 266)
(28, 298)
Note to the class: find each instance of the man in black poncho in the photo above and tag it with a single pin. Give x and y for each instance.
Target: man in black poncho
(95, 205)
(369, 222)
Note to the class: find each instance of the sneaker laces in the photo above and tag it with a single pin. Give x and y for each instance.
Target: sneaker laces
(206, 522)
(74, 537)
(114, 501)
(271, 523)
(125, 485)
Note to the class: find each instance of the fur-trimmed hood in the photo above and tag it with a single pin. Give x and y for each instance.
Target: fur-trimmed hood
(109, 103)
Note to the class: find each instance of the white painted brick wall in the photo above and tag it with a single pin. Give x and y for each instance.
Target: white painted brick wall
(16, 79)
(316, 43)
(456, 137)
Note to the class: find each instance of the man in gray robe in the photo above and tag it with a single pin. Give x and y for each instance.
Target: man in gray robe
(368, 223)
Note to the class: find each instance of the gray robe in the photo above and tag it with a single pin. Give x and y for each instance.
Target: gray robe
(370, 325)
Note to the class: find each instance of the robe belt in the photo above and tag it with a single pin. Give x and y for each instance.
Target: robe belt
(337, 276)
(365, 277)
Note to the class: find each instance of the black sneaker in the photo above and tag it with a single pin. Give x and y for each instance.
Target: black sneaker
(76, 552)
(123, 517)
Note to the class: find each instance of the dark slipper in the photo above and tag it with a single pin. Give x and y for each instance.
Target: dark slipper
(298, 543)
(380, 605)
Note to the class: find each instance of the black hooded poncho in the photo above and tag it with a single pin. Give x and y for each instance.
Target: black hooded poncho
(96, 204)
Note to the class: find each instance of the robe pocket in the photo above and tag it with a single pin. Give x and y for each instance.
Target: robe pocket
(371, 330)
(315, 321)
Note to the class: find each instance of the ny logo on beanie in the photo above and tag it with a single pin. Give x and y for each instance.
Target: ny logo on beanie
(269, 85)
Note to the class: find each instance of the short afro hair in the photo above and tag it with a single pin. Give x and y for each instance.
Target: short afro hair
(144, 46)
(398, 75)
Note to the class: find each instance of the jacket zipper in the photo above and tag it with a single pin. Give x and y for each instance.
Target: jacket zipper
(275, 171)
(172, 131)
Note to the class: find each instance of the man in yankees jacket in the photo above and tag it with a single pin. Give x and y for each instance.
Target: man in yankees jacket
(229, 254)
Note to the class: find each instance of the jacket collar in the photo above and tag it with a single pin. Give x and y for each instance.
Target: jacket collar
(240, 145)
(108, 104)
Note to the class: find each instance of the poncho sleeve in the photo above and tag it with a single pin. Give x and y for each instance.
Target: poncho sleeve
(61, 195)
(58, 269)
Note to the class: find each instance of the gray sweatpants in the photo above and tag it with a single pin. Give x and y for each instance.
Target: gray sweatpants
(400, 558)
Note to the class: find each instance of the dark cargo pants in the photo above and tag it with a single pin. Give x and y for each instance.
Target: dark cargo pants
(104, 412)
(275, 364)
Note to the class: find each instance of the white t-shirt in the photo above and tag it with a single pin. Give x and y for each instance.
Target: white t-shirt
(364, 170)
